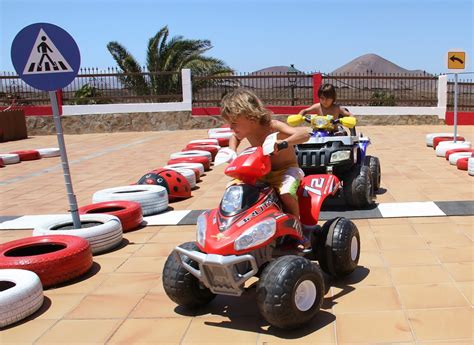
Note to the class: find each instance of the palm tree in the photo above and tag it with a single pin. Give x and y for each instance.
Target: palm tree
(165, 55)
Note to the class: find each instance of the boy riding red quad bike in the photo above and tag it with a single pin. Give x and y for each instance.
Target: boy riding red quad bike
(248, 235)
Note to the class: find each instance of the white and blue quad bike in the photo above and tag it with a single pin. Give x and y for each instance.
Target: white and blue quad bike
(331, 150)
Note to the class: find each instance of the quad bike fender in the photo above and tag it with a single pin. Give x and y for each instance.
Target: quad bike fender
(313, 190)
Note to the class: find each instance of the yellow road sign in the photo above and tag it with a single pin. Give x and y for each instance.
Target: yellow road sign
(457, 60)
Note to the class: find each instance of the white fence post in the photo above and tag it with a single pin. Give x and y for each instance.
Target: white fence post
(442, 95)
(187, 86)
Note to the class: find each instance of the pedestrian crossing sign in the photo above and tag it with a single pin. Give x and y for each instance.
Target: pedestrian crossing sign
(45, 56)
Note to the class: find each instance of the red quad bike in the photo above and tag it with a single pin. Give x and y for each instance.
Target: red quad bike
(250, 235)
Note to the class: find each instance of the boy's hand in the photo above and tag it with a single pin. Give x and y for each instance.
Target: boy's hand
(280, 145)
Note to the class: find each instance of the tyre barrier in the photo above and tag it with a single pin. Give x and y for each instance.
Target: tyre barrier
(461, 164)
(208, 141)
(450, 152)
(212, 149)
(55, 259)
(216, 132)
(438, 140)
(445, 146)
(153, 199)
(49, 152)
(470, 166)
(20, 296)
(27, 155)
(188, 174)
(430, 137)
(223, 142)
(2, 165)
(102, 231)
(458, 155)
(128, 212)
(10, 158)
(198, 168)
(192, 153)
(194, 159)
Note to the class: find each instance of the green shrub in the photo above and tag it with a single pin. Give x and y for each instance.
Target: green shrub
(382, 98)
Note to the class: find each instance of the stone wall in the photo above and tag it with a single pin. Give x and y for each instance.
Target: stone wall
(140, 122)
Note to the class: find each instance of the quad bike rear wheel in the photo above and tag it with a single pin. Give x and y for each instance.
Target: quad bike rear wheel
(338, 247)
(374, 166)
(358, 189)
(180, 285)
(290, 291)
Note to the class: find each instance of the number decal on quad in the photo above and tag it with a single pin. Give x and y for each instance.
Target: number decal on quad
(316, 185)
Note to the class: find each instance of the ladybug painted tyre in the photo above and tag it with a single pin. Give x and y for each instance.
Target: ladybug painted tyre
(55, 259)
(188, 174)
(357, 187)
(27, 155)
(180, 285)
(153, 199)
(21, 294)
(10, 158)
(129, 212)
(290, 291)
(374, 166)
(176, 184)
(339, 247)
(49, 152)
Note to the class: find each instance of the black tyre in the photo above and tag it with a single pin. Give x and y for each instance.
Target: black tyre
(290, 291)
(339, 247)
(357, 186)
(180, 285)
(374, 166)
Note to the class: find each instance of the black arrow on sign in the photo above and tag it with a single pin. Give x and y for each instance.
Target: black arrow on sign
(455, 58)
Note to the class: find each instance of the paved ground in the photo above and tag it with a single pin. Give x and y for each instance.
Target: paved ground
(414, 284)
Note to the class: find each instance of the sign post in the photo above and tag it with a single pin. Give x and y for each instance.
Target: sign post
(47, 58)
(456, 62)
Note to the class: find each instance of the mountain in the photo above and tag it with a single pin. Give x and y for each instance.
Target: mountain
(373, 64)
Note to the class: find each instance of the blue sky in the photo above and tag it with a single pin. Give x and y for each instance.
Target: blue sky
(250, 35)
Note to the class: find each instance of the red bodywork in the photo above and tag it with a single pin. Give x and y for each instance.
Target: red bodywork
(248, 167)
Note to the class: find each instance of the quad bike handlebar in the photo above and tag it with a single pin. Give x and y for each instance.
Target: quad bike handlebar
(324, 122)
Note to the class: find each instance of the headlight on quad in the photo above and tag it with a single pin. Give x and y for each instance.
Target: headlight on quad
(232, 199)
(201, 229)
(340, 156)
(256, 235)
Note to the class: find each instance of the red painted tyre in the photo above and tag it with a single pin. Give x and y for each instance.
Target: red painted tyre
(129, 212)
(55, 259)
(462, 163)
(437, 140)
(194, 159)
(27, 155)
(450, 152)
(224, 142)
(1, 163)
(212, 149)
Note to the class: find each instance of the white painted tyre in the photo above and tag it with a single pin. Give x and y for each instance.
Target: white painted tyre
(198, 166)
(430, 137)
(217, 135)
(49, 152)
(470, 166)
(21, 295)
(188, 174)
(152, 198)
(103, 236)
(213, 131)
(205, 142)
(453, 158)
(10, 158)
(451, 145)
(192, 153)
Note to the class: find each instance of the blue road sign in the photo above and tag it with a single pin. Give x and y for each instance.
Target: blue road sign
(45, 56)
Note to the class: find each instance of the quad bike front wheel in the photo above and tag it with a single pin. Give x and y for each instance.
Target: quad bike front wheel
(374, 166)
(290, 291)
(357, 187)
(339, 247)
(180, 285)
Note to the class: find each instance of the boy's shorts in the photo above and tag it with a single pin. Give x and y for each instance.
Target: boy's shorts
(286, 181)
